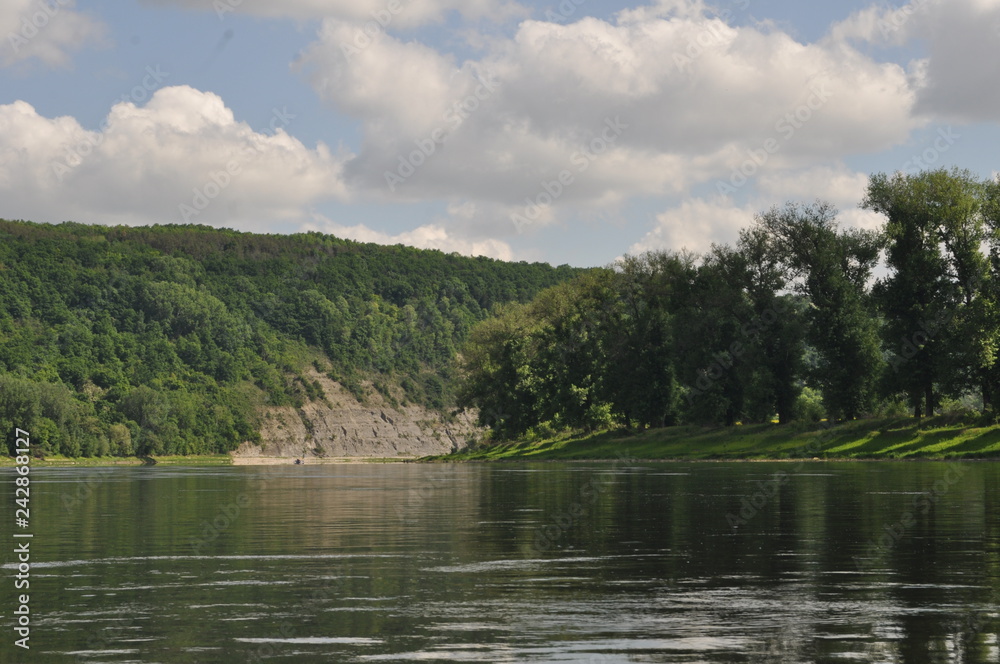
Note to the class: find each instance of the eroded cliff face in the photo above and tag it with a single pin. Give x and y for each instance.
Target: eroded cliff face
(340, 427)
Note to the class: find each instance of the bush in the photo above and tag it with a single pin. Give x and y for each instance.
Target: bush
(809, 406)
(893, 408)
(120, 440)
(962, 408)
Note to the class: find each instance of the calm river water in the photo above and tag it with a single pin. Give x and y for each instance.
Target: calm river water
(581, 562)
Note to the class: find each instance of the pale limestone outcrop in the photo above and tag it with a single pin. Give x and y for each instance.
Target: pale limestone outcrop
(342, 427)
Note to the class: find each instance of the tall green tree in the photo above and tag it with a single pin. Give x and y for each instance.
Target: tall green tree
(639, 349)
(712, 348)
(495, 367)
(940, 324)
(990, 301)
(832, 268)
(775, 332)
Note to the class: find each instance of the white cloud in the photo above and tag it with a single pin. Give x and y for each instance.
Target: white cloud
(695, 225)
(183, 148)
(859, 218)
(835, 184)
(957, 79)
(428, 236)
(693, 98)
(662, 9)
(388, 14)
(838, 185)
(47, 31)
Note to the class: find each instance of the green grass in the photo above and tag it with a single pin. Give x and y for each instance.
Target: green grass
(886, 438)
(59, 460)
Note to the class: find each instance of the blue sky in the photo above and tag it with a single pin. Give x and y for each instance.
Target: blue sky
(569, 132)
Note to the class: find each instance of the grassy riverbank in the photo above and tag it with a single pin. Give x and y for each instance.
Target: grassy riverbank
(194, 460)
(895, 438)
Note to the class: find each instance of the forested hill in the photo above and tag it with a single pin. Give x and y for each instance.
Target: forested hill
(169, 339)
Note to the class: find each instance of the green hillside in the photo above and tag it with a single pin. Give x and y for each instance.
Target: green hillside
(168, 339)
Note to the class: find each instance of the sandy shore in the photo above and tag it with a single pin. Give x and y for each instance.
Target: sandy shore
(313, 461)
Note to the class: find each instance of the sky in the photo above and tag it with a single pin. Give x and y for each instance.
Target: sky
(565, 131)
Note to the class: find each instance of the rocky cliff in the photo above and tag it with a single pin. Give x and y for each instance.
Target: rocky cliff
(339, 426)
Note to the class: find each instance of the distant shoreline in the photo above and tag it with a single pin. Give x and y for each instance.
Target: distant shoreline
(200, 460)
(885, 439)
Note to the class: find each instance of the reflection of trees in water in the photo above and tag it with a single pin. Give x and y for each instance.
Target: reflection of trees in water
(881, 652)
(966, 641)
(789, 644)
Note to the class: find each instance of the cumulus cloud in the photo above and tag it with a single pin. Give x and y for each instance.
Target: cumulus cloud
(387, 13)
(836, 184)
(695, 225)
(182, 157)
(46, 31)
(552, 120)
(427, 236)
(957, 79)
(650, 103)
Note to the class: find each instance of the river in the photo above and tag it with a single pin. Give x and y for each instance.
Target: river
(558, 562)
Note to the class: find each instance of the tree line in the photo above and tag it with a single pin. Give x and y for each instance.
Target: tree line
(800, 319)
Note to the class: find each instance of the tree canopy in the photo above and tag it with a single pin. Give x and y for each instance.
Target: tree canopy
(798, 311)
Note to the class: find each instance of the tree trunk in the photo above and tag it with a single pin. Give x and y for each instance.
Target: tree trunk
(929, 400)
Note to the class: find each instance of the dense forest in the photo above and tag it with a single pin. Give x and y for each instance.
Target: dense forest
(801, 319)
(170, 339)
